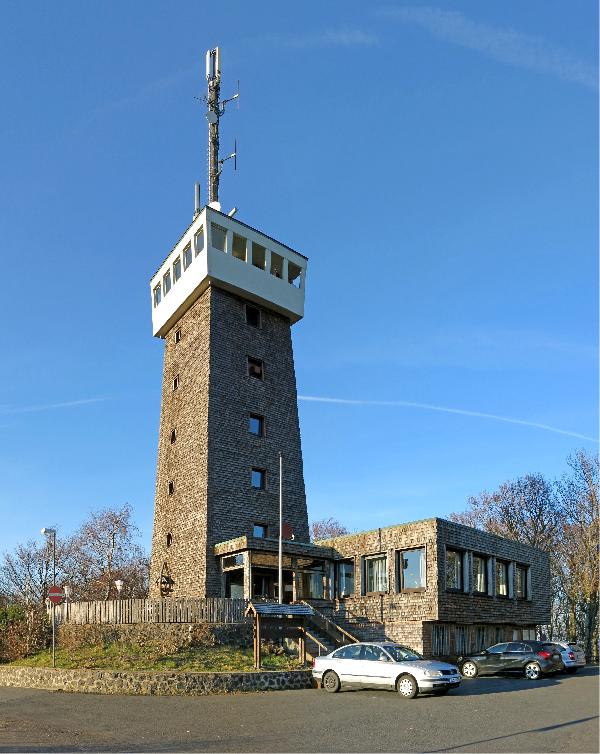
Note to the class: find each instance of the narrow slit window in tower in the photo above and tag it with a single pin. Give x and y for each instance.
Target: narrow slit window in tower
(219, 235)
(239, 247)
(169, 539)
(259, 256)
(173, 435)
(187, 256)
(176, 269)
(276, 265)
(178, 335)
(253, 315)
(199, 240)
(255, 368)
(259, 479)
(171, 487)
(175, 382)
(260, 531)
(256, 425)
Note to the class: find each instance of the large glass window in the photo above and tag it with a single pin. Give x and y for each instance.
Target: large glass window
(157, 295)
(276, 265)
(311, 577)
(166, 282)
(521, 574)
(501, 578)
(345, 578)
(187, 256)
(239, 247)
(376, 578)
(176, 269)
(199, 240)
(259, 256)
(454, 575)
(480, 574)
(412, 569)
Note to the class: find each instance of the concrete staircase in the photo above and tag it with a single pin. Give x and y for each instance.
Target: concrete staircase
(323, 635)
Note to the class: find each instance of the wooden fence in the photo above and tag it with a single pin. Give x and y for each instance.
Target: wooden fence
(167, 610)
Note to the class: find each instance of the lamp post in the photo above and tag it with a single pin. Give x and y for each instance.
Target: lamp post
(280, 553)
(47, 532)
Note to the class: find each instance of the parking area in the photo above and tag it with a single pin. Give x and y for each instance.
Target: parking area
(493, 714)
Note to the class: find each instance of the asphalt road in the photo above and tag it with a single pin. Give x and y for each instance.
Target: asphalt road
(501, 714)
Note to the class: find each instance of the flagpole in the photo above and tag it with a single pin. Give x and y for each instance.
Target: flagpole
(280, 528)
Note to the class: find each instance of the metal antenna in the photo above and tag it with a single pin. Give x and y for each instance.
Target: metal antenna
(216, 108)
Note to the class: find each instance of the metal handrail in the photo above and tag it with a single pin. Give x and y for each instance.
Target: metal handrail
(317, 642)
(329, 622)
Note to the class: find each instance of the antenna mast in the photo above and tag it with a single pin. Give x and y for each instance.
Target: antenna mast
(216, 109)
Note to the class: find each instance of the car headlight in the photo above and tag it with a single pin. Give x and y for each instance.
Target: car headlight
(432, 673)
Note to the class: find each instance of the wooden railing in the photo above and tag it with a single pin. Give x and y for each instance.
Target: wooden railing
(337, 633)
(166, 610)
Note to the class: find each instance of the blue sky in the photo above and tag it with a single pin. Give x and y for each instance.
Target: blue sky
(436, 163)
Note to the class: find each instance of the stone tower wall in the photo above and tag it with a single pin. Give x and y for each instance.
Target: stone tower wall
(211, 461)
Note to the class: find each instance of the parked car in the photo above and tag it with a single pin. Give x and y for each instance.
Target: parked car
(384, 665)
(573, 656)
(533, 658)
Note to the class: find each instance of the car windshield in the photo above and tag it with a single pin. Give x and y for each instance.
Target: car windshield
(401, 654)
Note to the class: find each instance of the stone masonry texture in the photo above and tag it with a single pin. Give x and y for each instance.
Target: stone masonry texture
(145, 682)
(210, 461)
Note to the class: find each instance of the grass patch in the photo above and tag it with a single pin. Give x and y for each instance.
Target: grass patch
(118, 656)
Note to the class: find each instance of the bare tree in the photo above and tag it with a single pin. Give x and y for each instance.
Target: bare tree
(326, 528)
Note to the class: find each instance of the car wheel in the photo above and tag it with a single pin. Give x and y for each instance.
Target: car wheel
(532, 671)
(469, 669)
(330, 682)
(407, 686)
(571, 671)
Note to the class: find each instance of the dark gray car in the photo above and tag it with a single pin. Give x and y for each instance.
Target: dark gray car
(531, 658)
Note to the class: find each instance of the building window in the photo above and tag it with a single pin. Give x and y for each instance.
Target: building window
(454, 574)
(440, 640)
(187, 256)
(260, 531)
(411, 569)
(238, 249)
(256, 425)
(311, 579)
(166, 282)
(218, 237)
(253, 315)
(171, 488)
(199, 241)
(259, 256)
(176, 269)
(501, 578)
(177, 336)
(521, 578)
(276, 265)
(255, 368)
(157, 295)
(173, 436)
(175, 382)
(169, 539)
(232, 561)
(376, 578)
(480, 574)
(344, 578)
(259, 479)
(294, 274)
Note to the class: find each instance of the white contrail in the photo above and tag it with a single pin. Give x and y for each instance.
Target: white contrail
(446, 410)
(5, 410)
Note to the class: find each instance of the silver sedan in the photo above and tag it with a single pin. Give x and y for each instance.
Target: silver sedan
(384, 665)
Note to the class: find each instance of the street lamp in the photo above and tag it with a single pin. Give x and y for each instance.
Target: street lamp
(47, 532)
(119, 584)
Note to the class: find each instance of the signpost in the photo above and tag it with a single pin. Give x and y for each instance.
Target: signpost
(56, 595)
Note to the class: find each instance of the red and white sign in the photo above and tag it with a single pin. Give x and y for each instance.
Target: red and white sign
(56, 594)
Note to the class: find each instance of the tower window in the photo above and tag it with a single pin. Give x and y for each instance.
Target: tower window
(167, 282)
(259, 479)
(169, 539)
(253, 315)
(219, 235)
(259, 256)
(238, 249)
(256, 368)
(294, 274)
(260, 531)
(199, 240)
(176, 269)
(178, 335)
(187, 256)
(171, 487)
(276, 265)
(175, 382)
(256, 425)
(157, 295)
(173, 435)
